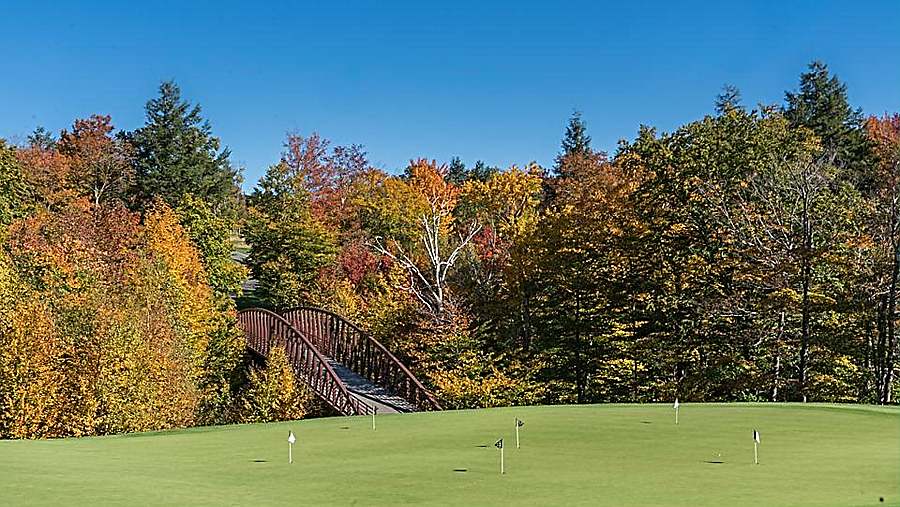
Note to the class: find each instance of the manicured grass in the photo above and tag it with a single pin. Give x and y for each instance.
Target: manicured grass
(570, 455)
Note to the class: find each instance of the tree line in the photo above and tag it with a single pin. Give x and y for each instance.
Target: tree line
(749, 255)
(752, 254)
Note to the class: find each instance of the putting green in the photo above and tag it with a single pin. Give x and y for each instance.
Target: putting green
(587, 455)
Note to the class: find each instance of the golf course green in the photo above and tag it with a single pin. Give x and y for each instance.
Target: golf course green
(570, 455)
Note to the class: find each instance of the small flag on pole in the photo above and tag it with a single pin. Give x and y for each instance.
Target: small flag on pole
(291, 440)
(519, 424)
(755, 446)
(499, 445)
(676, 410)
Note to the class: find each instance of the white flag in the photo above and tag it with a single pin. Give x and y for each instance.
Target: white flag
(756, 436)
(676, 404)
(291, 438)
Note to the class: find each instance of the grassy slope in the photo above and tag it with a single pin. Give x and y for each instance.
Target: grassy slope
(589, 455)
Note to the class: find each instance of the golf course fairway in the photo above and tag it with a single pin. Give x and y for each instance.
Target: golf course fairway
(809, 454)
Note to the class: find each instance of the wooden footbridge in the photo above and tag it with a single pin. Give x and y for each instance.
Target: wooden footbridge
(346, 367)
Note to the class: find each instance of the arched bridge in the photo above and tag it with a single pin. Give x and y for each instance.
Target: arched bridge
(346, 367)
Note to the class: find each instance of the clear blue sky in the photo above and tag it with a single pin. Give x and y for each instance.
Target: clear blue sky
(483, 80)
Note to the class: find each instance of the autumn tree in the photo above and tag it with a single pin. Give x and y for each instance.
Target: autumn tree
(48, 173)
(326, 173)
(692, 295)
(499, 270)
(581, 275)
(430, 258)
(884, 134)
(272, 392)
(101, 164)
(107, 323)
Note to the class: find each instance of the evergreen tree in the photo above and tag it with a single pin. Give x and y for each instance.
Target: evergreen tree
(177, 154)
(482, 172)
(575, 144)
(457, 173)
(821, 105)
(729, 99)
(42, 138)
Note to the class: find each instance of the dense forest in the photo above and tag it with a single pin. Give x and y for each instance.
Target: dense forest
(751, 255)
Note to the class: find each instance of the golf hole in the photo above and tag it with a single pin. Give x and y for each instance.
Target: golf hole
(461, 470)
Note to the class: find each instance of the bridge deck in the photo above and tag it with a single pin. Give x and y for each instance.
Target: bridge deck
(365, 391)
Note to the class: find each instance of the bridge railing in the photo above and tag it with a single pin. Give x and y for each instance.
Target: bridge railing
(265, 329)
(339, 339)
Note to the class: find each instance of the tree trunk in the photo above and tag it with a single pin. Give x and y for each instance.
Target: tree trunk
(776, 377)
(579, 369)
(804, 328)
(889, 352)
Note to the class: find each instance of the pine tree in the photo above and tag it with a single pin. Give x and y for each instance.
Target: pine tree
(177, 154)
(576, 142)
(729, 99)
(457, 173)
(821, 105)
(482, 172)
(42, 138)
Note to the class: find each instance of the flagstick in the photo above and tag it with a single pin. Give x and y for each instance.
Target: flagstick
(755, 453)
(502, 471)
(676, 415)
(291, 439)
(517, 433)
(374, 411)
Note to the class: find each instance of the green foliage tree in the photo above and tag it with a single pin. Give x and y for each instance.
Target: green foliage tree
(288, 247)
(728, 99)
(821, 105)
(211, 233)
(576, 140)
(177, 154)
(14, 192)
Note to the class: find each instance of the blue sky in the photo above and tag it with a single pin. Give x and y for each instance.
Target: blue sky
(482, 80)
